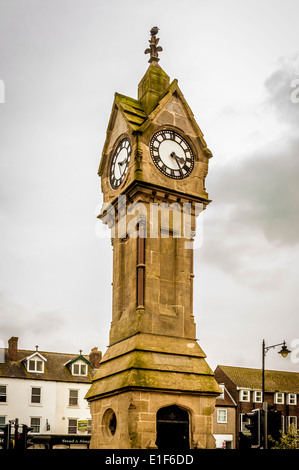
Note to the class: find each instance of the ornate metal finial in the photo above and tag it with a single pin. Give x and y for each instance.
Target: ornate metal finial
(154, 48)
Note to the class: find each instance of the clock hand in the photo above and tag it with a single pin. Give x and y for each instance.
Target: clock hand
(177, 158)
(121, 164)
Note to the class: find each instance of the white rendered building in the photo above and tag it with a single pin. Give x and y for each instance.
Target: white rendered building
(46, 390)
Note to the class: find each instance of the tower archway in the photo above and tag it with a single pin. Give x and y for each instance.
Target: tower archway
(173, 428)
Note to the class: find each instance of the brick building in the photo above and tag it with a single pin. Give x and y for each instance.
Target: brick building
(224, 422)
(244, 385)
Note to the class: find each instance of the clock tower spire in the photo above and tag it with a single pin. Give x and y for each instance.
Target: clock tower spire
(154, 388)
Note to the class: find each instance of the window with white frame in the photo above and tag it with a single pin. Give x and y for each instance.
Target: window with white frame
(291, 422)
(72, 426)
(292, 399)
(221, 415)
(35, 364)
(79, 368)
(244, 395)
(279, 398)
(73, 397)
(243, 421)
(257, 396)
(36, 395)
(3, 394)
(35, 424)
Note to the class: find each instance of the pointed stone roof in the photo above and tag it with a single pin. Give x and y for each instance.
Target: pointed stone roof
(152, 87)
(131, 109)
(154, 91)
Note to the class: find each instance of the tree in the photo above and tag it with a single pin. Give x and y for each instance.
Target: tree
(290, 440)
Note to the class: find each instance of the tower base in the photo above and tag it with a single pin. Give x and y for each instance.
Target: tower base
(137, 424)
(152, 392)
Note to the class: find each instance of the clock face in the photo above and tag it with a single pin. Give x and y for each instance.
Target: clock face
(120, 163)
(172, 154)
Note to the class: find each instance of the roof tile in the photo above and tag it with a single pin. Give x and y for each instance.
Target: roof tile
(55, 370)
(279, 381)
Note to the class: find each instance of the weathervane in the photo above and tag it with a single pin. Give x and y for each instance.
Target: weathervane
(154, 48)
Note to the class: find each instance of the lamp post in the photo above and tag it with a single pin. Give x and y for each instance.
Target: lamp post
(284, 352)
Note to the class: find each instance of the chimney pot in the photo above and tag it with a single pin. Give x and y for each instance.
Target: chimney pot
(13, 348)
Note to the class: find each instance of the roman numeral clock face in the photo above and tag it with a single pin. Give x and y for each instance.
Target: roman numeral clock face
(172, 154)
(120, 163)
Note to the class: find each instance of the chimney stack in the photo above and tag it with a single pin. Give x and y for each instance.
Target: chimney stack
(94, 358)
(13, 348)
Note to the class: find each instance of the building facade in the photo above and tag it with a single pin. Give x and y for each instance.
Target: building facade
(224, 422)
(45, 391)
(244, 385)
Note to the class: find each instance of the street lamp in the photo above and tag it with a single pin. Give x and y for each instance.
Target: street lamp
(284, 352)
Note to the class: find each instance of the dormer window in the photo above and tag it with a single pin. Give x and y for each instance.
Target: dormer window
(79, 368)
(35, 363)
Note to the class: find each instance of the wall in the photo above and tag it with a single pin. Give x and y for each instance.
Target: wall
(53, 407)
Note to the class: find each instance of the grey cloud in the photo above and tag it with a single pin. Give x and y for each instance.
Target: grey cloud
(17, 320)
(252, 225)
(263, 192)
(254, 219)
(262, 189)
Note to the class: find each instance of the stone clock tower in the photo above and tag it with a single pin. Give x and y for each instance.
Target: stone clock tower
(153, 388)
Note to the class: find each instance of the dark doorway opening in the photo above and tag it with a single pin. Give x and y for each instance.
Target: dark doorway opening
(172, 428)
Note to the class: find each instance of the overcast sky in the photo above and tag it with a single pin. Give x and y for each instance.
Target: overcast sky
(61, 62)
